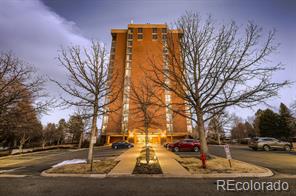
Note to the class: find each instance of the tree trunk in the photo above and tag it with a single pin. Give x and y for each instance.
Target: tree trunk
(43, 144)
(21, 148)
(80, 140)
(93, 134)
(202, 135)
(218, 138)
(14, 143)
(146, 145)
(202, 139)
(22, 143)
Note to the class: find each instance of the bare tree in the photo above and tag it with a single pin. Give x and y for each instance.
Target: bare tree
(48, 134)
(213, 68)
(219, 124)
(19, 81)
(145, 108)
(89, 84)
(22, 99)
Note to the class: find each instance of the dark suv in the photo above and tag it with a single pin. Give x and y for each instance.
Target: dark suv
(185, 145)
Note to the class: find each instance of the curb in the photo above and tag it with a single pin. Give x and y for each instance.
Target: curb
(281, 175)
(45, 174)
(268, 173)
(200, 176)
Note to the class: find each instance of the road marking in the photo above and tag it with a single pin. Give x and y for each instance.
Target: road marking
(10, 170)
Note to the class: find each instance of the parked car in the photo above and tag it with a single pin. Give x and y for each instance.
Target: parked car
(269, 143)
(185, 145)
(245, 140)
(122, 144)
(234, 141)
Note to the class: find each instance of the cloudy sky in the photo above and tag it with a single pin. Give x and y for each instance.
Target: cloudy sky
(35, 30)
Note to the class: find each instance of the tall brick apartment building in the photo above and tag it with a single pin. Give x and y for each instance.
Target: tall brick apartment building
(131, 50)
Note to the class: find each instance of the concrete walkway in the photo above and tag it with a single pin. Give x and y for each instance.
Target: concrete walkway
(167, 160)
(168, 163)
(127, 162)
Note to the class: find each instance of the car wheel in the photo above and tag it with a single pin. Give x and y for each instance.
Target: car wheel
(287, 148)
(115, 147)
(176, 149)
(196, 149)
(266, 148)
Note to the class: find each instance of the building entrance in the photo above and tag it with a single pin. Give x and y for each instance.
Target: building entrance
(154, 139)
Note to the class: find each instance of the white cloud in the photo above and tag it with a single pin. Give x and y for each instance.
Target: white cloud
(35, 34)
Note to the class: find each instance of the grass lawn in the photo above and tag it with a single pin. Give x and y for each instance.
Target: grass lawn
(99, 167)
(218, 165)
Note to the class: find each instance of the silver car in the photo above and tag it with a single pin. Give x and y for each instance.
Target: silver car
(269, 143)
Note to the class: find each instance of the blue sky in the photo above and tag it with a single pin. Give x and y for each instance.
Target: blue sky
(35, 30)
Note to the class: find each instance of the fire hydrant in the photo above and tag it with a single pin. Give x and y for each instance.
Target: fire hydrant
(203, 158)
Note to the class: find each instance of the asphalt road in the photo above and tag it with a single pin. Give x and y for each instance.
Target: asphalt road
(277, 161)
(45, 186)
(35, 163)
(34, 184)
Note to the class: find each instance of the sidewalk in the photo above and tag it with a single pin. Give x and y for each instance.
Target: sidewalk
(168, 163)
(167, 160)
(127, 162)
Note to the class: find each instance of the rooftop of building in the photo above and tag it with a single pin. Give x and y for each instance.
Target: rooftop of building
(147, 25)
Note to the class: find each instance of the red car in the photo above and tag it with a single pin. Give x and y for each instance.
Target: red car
(185, 145)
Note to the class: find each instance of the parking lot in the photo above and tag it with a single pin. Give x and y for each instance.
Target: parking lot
(278, 161)
(35, 163)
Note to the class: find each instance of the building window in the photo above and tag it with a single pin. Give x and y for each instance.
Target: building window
(125, 107)
(129, 57)
(168, 98)
(165, 50)
(125, 119)
(140, 36)
(164, 37)
(127, 65)
(154, 30)
(180, 35)
(130, 36)
(130, 30)
(113, 37)
(112, 50)
(164, 30)
(128, 73)
(129, 43)
(140, 30)
(129, 50)
(154, 36)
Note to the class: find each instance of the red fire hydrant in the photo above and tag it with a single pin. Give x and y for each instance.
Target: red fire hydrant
(203, 158)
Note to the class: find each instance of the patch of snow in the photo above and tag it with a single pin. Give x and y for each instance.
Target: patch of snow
(67, 162)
